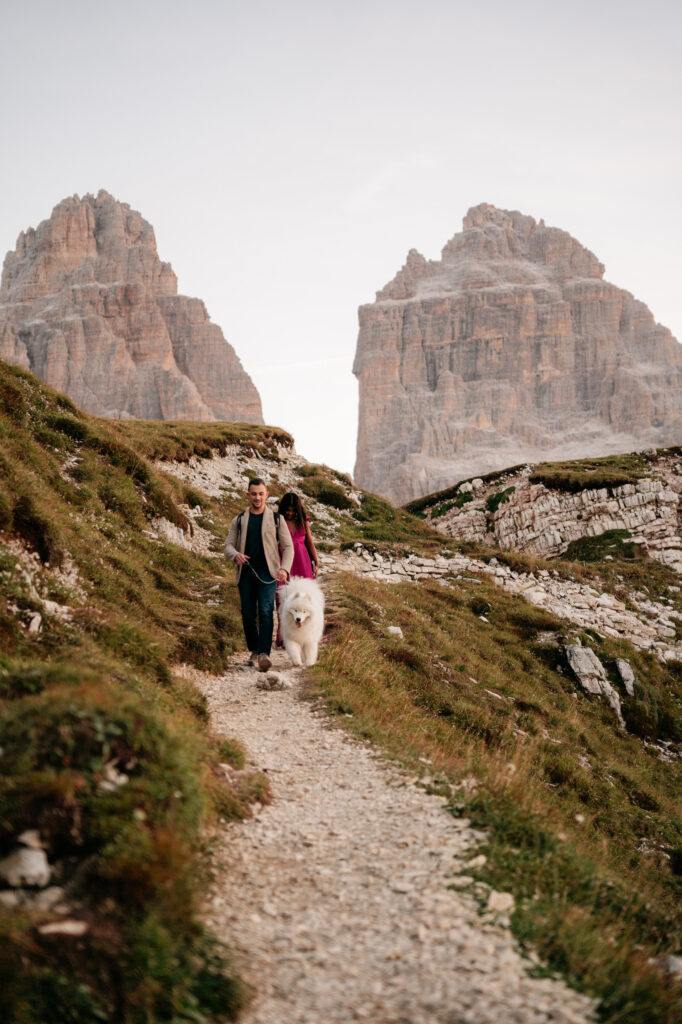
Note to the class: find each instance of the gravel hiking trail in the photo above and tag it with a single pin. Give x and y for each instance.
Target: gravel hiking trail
(336, 897)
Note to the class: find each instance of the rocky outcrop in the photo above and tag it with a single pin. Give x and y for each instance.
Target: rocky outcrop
(592, 676)
(510, 348)
(88, 307)
(525, 510)
(645, 623)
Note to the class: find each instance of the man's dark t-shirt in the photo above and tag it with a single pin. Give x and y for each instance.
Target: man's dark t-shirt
(254, 546)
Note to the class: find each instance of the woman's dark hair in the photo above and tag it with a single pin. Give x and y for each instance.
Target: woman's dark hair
(291, 500)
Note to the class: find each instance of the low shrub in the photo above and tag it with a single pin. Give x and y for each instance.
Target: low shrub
(493, 501)
(615, 543)
(327, 493)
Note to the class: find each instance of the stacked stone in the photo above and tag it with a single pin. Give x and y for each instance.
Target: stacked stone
(543, 521)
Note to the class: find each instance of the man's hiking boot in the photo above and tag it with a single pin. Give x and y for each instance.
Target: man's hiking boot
(264, 663)
(253, 659)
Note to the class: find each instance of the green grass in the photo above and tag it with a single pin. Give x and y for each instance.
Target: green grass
(101, 691)
(493, 501)
(566, 798)
(592, 474)
(612, 544)
(381, 526)
(180, 441)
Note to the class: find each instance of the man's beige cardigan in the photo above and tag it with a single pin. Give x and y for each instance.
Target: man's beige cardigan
(235, 545)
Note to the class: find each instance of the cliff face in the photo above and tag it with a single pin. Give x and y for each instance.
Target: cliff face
(528, 509)
(87, 305)
(511, 348)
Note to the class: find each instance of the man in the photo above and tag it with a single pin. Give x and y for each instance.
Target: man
(252, 542)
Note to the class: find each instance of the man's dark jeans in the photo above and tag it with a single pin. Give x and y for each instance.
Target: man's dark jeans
(258, 604)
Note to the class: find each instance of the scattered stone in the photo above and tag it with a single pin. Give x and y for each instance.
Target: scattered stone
(112, 779)
(500, 902)
(461, 881)
(627, 676)
(70, 926)
(273, 681)
(36, 623)
(591, 675)
(25, 866)
(394, 631)
(670, 966)
(30, 838)
(47, 899)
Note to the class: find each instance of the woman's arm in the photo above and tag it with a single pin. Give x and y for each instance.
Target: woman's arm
(312, 550)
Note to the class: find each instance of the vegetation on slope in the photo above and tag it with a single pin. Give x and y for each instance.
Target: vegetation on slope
(105, 750)
(104, 747)
(582, 820)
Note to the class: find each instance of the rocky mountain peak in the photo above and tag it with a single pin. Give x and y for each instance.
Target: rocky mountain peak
(509, 348)
(87, 305)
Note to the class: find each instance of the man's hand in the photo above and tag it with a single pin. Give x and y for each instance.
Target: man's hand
(240, 559)
(282, 575)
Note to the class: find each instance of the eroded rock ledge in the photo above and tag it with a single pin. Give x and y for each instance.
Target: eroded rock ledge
(522, 510)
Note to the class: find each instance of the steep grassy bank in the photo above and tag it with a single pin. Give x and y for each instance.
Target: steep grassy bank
(582, 819)
(104, 748)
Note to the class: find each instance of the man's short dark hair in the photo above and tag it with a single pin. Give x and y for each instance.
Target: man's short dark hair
(256, 482)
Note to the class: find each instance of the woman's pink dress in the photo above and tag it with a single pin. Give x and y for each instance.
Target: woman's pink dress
(301, 566)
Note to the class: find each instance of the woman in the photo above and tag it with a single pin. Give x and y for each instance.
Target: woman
(306, 561)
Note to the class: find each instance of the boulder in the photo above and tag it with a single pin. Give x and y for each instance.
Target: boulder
(591, 675)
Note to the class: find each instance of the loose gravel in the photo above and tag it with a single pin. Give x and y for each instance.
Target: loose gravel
(347, 897)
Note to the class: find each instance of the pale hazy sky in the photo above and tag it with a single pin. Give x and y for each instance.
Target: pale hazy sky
(289, 154)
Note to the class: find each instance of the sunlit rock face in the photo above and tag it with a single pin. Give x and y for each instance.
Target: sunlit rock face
(511, 348)
(88, 307)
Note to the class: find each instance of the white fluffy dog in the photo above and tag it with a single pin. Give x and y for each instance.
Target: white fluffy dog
(301, 617)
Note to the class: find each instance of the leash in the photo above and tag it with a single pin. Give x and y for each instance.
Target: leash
(264, 582)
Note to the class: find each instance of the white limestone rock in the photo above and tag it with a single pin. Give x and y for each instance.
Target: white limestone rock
(26, 866)
(591, 675)
(627, 676)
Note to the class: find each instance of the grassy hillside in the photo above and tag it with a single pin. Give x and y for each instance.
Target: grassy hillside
(104, 749)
